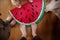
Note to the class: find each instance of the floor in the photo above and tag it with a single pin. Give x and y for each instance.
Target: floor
(44, 27)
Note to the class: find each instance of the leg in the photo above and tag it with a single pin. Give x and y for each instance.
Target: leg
(9, 18)
(34, 27)
(12, 23)
(16, 3)
(24, 33)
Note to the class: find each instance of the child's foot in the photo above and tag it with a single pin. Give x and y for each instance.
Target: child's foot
(19, 6)
(36, 38)
(30, 0)
(23, 38)
(7, 24)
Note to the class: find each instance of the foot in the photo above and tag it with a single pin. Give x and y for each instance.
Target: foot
(30, 0)
(7, 24)
(23, 38)
(19, 6)
(36, 38)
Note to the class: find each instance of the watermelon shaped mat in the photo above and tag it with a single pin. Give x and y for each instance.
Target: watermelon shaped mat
(29, 12)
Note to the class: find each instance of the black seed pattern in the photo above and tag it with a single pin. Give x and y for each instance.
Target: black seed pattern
(29, 20)
(16, 13)
(21, 20)
(27, 10)
(21, 13)
(32, 16)
(32, 5)
(36, 12)
(33, 13)
(33, 9)
(36, 6)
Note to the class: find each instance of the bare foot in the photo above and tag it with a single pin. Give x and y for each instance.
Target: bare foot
(30, 0)
(19, 6)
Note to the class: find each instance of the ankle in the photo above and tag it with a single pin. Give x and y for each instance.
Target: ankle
(34, 34)
(24, 36)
